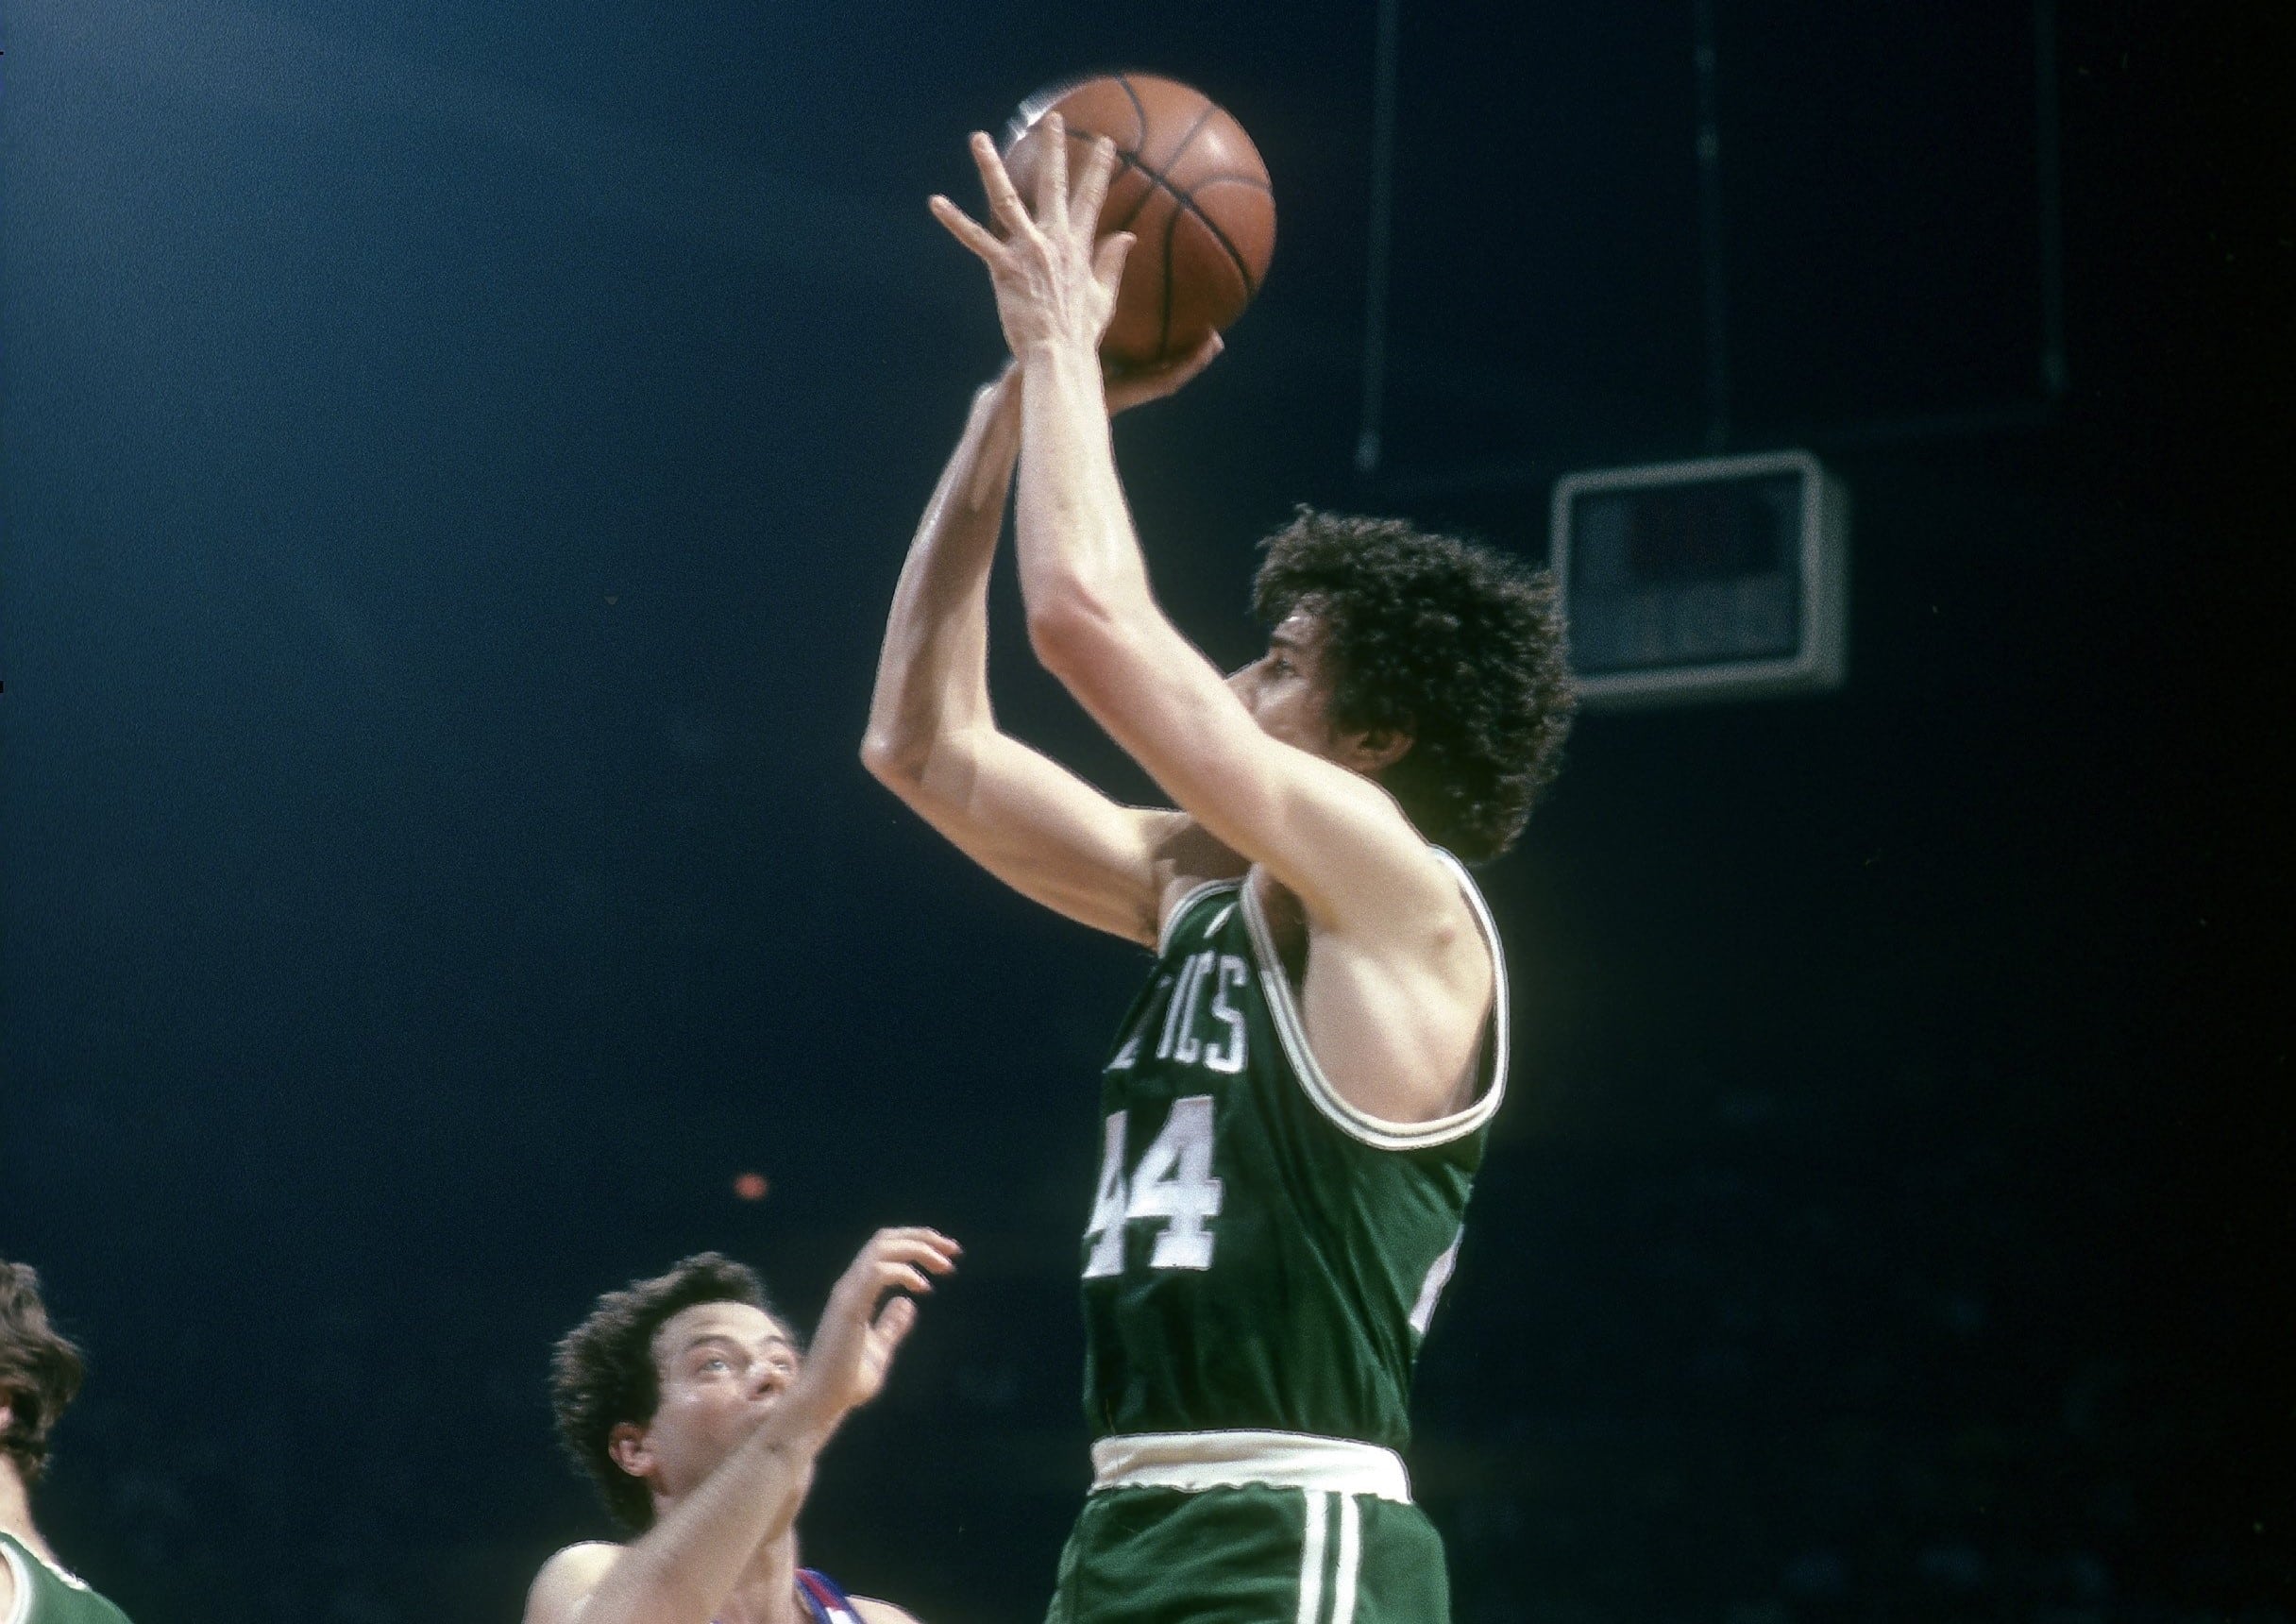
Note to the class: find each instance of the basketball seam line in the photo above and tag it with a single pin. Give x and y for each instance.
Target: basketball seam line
(1186, 200)
(1138, 110)
(1172, 229)
(1163, 323)
(1131, 160)
(1204, 116)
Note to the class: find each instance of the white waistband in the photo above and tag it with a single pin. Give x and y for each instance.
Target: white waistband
(1199, 1460)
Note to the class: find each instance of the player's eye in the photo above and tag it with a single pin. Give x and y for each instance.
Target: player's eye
(716, 1362)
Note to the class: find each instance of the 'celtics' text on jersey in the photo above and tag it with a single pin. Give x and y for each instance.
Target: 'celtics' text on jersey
(1262, 1255)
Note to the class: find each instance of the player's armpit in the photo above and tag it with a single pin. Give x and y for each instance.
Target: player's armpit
(871, 1611)
(564, 1586)
(1040, 828)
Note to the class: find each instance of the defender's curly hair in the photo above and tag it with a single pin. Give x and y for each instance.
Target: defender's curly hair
(603, 1372)
(40, 1371)
(1454, 644)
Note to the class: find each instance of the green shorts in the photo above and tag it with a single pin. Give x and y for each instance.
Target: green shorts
(1250, 1554)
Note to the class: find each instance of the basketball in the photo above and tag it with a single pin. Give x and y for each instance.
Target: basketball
(1191, 188)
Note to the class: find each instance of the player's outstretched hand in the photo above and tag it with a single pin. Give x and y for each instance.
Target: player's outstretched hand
(853, 1346)
(1132, 387)
(1054, 283)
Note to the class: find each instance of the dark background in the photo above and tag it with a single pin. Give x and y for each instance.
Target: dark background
(456, 456)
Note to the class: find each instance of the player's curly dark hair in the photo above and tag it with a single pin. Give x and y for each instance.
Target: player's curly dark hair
(603, 1371)
(1456, 644)
(40, 1371)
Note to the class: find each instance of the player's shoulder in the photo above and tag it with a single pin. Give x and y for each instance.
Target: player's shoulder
(565, 1580)
(871, 1611)
(1368, 869)
(1400, 891)
(1424, 887)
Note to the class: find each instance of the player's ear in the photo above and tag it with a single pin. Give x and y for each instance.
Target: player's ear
(1375, 752)
(627, 1447)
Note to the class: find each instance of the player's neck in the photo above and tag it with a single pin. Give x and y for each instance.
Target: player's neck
(766, 1590)
(16, 1512)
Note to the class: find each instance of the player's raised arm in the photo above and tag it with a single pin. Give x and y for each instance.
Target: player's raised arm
(933, 737)
(1328, 834)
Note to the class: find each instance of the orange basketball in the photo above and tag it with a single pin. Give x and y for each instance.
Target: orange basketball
(1188, 185)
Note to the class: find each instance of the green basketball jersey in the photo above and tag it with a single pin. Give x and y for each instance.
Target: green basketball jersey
(47, 1595)
(1263, 1255)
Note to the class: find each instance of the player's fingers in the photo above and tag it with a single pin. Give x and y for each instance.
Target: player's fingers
(903, 1277)
(1130, 387)
(1108, 260)
(895, 1322)
(1092, 185)
(938, 1255)
(917, 1231)
(965, 229)
(1198, 359)
(1053, 174)
(1004, 204)
(907, 1242)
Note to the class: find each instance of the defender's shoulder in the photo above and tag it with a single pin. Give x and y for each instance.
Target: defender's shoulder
(566, 1579)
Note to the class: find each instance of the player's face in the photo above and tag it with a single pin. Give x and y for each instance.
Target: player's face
(1288, 689)
(722, 1367)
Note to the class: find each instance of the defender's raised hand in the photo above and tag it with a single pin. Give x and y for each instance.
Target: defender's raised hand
(1055, 284)
(854, 1344)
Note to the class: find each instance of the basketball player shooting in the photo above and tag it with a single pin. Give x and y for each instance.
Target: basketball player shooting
(1296, 1103)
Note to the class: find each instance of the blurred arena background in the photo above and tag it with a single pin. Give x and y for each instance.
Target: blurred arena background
(455, 459)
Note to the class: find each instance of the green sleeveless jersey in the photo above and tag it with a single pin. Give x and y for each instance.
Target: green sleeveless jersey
(1261, 1255)
(46, 1594)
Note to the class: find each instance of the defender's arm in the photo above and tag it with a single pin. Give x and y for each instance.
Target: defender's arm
(680, 1570)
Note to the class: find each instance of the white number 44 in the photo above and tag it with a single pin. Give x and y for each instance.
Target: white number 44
(1174, 1181)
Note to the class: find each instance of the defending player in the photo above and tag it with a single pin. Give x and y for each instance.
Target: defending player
(39, 1373)
(1298, 1100)
(686, 1400)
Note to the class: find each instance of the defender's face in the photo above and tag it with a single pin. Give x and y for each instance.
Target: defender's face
(1288, 689)
(722, 1367)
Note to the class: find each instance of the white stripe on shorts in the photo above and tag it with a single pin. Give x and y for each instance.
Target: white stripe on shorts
(1351, 1558)
(1312, 1557)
